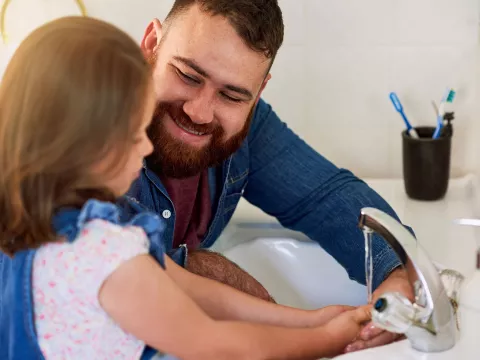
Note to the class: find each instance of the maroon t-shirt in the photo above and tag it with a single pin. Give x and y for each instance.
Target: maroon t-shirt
(191, 200)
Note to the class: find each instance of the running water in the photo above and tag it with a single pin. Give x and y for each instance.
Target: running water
(368, 263)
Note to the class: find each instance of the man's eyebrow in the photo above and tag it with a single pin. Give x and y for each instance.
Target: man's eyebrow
(240, 90)
(192, 64)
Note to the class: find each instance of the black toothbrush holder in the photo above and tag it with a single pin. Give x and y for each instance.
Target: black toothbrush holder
(426, 163)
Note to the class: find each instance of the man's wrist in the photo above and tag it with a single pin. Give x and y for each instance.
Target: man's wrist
(397, 271)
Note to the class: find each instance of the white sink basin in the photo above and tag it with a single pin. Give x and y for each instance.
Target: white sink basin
(297, 273)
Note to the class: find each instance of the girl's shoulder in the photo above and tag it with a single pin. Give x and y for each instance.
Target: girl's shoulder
(103, 220)
(104, 216)
(114, 213)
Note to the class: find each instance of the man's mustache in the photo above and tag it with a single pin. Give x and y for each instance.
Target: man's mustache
(177, 114)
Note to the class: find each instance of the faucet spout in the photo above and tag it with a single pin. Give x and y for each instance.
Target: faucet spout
(428, 323)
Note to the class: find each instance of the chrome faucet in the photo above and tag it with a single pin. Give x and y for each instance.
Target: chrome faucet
(428, 323)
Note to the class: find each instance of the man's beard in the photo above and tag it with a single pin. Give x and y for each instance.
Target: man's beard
(175, 159)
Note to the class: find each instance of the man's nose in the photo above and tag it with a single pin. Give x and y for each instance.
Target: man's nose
(200, 109)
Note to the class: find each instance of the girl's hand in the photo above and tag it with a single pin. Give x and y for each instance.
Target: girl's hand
(345, 327)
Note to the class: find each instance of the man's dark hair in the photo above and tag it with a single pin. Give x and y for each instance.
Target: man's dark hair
(258, 22)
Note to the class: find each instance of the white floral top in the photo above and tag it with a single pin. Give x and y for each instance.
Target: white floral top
(67, 277)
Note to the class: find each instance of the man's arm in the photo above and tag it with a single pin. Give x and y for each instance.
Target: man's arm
(291, 181)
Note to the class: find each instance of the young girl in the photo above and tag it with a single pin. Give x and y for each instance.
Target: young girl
(81, 280)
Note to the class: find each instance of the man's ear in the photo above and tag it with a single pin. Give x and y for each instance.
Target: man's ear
(151, 38)
(265, 81)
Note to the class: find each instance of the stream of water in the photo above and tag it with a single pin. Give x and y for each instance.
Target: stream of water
(368, 263)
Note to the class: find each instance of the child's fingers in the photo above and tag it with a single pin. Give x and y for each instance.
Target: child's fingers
(331, 312)
(337, 309)
(362, 314)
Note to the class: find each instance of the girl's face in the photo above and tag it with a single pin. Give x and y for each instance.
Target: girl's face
(122, 177)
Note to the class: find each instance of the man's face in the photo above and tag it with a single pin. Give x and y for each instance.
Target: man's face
(207, 82)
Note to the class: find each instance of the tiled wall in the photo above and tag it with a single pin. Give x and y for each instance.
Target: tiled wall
(340, 60)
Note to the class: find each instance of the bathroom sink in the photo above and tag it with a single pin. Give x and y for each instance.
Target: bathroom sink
(296, 271)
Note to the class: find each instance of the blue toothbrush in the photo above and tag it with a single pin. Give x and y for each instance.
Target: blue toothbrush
(398, 106)
(448, 97)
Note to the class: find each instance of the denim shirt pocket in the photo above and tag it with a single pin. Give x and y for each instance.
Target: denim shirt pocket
(235, 188)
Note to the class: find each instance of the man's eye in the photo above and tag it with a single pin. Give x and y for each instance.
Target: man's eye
(187, 78)
(229, 98)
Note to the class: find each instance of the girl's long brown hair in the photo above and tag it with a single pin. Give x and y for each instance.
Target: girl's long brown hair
(72, 91)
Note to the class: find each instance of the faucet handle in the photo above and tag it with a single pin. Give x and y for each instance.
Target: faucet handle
(452, 281)
(393, 312)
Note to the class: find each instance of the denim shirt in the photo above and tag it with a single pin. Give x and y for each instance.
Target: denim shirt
(278, 172)
(18, 340)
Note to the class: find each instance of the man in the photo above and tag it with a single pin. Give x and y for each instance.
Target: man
(215, 140)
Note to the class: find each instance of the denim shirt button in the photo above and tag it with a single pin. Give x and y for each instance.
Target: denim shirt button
(166, 214)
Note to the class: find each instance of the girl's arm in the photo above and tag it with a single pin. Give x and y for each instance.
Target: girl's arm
(142, 298)
(222, 302)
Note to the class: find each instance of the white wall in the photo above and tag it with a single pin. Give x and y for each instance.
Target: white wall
(340, 60)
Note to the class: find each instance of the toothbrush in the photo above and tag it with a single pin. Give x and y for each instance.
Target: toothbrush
(448, 97)
(398, 106)
(435, 107)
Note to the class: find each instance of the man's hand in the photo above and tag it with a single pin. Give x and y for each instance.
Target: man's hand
(371, 336)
